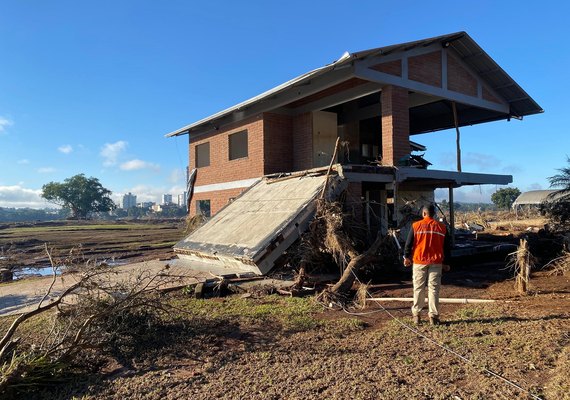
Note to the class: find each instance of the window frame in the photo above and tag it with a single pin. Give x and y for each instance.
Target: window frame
(239, 155)
(197, 159)
(203, 211)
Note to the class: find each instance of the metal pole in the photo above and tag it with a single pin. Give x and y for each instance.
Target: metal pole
(451, 217)
(457, 138)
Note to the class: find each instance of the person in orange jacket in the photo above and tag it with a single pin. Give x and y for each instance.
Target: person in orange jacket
(427, 250)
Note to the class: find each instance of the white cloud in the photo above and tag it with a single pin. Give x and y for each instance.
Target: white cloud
(135, 164)
(512, 169)
(469, 194)
(23, 161)
(483, 161)
(111, 152)
(20, 197)
(65, 149)
(4, 124)
(46, 170)
(176, 176)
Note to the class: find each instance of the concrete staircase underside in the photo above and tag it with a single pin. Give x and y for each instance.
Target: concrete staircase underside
(254, 230)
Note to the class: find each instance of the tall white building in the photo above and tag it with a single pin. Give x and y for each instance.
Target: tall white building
(182, 198)
(129, 200)
(166, 199)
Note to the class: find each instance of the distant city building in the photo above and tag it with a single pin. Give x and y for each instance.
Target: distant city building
(166, 199)
(182, 199)
(145, 204)
(129, 200)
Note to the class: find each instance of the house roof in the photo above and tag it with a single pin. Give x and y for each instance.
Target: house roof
(537, 197)
(520, 103)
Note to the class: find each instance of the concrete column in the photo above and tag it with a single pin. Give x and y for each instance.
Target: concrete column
(395, 124)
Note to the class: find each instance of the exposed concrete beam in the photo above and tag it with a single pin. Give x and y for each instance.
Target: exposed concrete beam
(341, 97)
(458, 178)
(387, 79)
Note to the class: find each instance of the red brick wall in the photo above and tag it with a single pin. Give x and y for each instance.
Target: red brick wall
(218, 199)
(303, 142)
(221, 169)
(395, 124)
(487, 95)
(459, 79)
(426, 68)
(391, 67)
(278, 143)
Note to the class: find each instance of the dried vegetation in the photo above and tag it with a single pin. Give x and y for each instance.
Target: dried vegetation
(94, 316)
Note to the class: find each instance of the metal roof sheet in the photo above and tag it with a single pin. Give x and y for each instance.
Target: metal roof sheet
(472, 54)
(537, 197)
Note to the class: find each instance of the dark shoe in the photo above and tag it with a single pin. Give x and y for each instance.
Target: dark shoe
(417, 319)
(434, 321)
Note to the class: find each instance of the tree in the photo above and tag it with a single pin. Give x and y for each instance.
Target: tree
(562, 180)
(504, 198)
(557, 207)
(79, 194)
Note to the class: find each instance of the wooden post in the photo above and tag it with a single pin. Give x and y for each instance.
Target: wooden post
(451, 217)
(457, 136)
(333, 160)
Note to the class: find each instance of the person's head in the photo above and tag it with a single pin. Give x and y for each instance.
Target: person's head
(428, 211)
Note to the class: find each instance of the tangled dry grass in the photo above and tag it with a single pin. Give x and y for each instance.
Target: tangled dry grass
(522, 262)
(560, 266)
(96, 315)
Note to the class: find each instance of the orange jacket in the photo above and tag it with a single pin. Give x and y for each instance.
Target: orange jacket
(428, 239)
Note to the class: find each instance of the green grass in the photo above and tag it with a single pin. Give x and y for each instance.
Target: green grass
(292, 314)
(271, 307)
(472, 312)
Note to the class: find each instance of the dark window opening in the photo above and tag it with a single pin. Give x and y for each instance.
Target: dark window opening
(203, 207)
(203, 155)
(238, 145)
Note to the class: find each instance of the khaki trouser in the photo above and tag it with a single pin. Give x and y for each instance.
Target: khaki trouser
(430, 276)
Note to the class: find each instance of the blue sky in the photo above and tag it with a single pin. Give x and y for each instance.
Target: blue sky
(92, 87)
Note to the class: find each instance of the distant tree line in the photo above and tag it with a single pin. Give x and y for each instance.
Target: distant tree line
(459, 206)
(30, 214)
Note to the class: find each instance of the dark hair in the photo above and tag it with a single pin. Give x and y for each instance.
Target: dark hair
(429, 209)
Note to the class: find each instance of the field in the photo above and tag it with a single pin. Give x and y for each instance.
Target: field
(258, 346)
(25, 244)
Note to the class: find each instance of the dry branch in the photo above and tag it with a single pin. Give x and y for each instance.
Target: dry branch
(100, 305)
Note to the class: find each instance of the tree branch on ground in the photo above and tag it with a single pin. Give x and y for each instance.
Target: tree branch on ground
(92, 313)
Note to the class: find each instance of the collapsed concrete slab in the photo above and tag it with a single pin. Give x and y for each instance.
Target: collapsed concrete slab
(254, 230)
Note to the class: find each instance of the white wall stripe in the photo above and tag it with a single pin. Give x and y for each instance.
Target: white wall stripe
(226, 185)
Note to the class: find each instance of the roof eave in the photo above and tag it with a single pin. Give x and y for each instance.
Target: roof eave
(284, 86)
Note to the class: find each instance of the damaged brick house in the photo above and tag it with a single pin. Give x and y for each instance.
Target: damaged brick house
(375, 101)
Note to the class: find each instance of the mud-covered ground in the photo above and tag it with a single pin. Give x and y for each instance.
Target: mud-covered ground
(275, 347)
(286, 348)
(23, 244)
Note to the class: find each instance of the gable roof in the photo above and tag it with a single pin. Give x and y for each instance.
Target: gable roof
(520, 103)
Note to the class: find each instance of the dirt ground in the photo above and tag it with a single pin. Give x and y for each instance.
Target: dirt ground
(272, 347)
(24, 243)
(275, 347)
